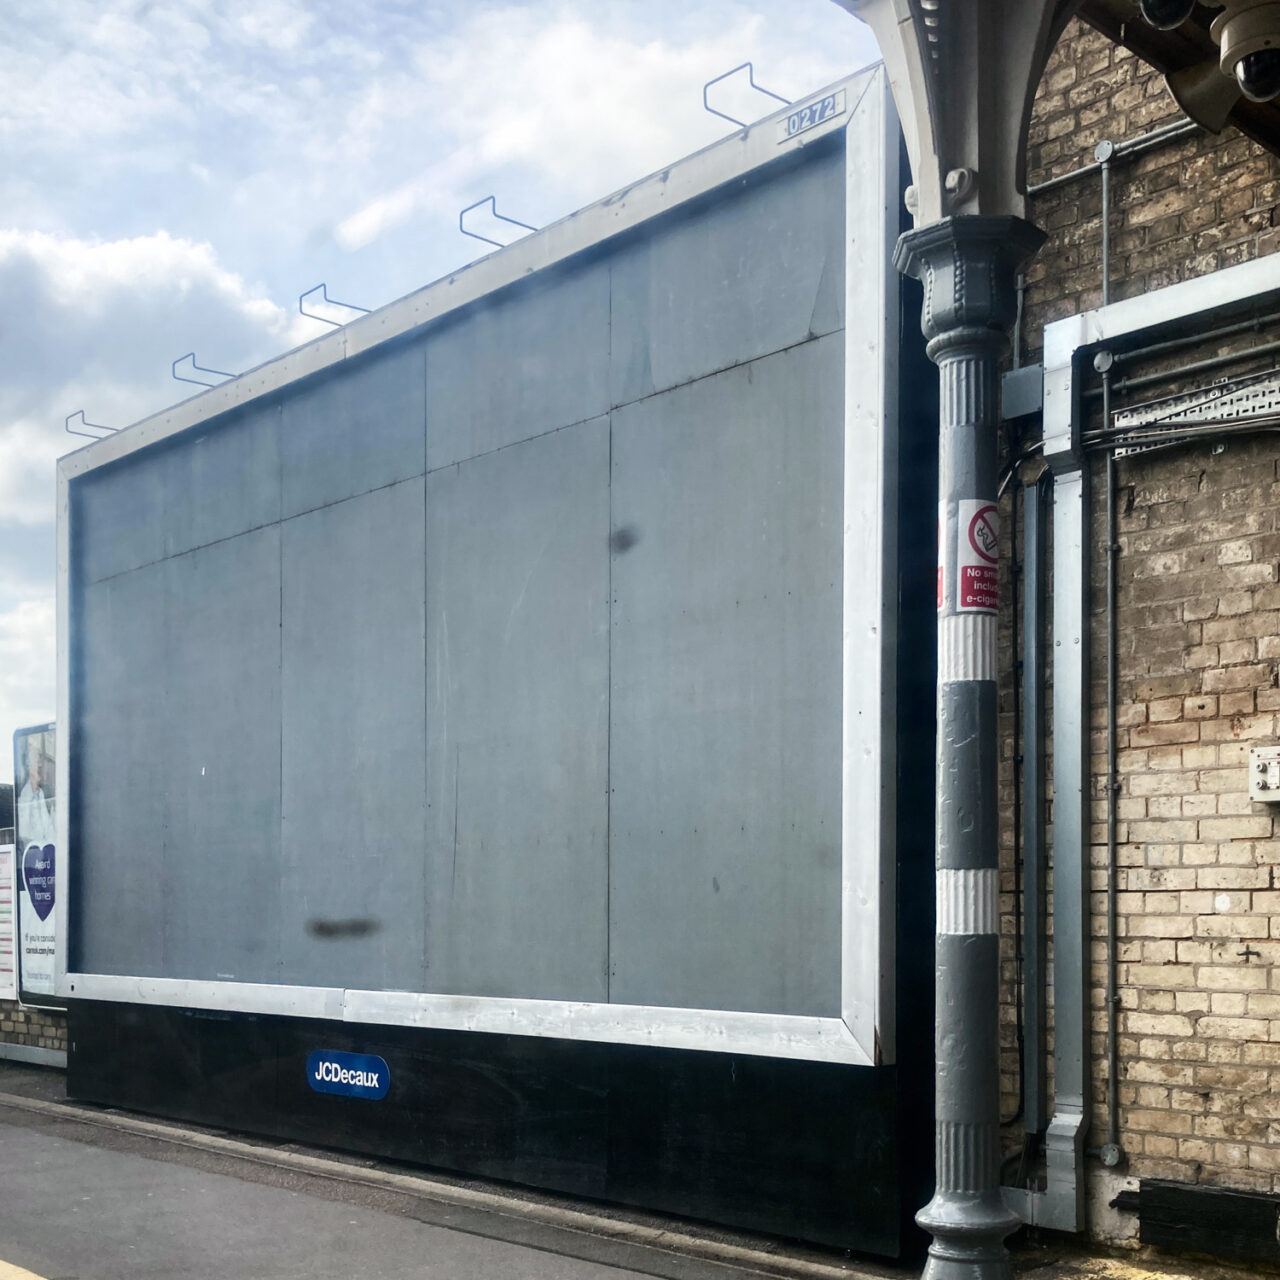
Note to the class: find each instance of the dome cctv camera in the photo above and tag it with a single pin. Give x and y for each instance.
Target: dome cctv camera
(1164, 15)
(1258, 75)
(1248, 33)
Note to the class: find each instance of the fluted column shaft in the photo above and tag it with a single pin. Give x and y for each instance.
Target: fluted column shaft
(967, 266)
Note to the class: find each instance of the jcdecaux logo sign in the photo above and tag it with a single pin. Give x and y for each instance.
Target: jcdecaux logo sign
(353, 1075)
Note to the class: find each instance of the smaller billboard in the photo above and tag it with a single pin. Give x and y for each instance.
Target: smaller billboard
(34, 754)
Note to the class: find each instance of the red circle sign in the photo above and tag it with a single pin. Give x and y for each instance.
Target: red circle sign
(982, 533)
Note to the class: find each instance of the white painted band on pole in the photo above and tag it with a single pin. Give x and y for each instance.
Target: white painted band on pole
(966, 647)
(968, 901)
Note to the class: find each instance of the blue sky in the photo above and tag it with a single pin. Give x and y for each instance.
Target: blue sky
(174, 173)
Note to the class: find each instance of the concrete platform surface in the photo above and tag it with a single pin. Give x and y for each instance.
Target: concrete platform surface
(93, 1194)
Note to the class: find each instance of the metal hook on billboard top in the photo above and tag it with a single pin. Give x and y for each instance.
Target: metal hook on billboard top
(493, 209)
(749, 68)
(323, 290)
(84, 422)
(196, 368)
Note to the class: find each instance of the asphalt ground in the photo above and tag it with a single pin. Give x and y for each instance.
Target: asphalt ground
(95, 1194)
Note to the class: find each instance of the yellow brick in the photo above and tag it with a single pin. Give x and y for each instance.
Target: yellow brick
(1165, 976)
(1162, 927)
(1165, 1024)
(1162, 1122)
(1230, 926)
(1233, 1028)
(1228, 1004)
(1238, 977)
(1241, 827)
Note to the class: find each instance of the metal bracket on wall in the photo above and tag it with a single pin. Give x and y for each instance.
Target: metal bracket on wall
(751, 80)
(1254, 400)
(323, 290)
(493, 209)
(196, 368)
(97, 426)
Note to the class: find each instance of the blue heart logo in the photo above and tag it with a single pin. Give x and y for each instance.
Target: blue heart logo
(37, 870)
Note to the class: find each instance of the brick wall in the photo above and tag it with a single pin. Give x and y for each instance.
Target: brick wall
(1198, 612)
(33, 1028)
(1181, 210)
(1200, 985)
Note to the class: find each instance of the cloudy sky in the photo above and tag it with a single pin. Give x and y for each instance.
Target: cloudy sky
(173, 173)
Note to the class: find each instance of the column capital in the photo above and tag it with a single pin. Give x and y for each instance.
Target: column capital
(968, 266)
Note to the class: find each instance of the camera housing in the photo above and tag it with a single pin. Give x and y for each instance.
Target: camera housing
(1164, 15)
(1248, 35)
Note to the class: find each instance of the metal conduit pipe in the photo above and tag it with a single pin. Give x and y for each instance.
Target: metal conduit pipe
(1130, 147)
(1035, 1113)
(1196, 366)
(1015, 576)
(1112, 1153)
(1152, 349)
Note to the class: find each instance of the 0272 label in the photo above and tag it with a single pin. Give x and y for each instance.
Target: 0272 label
(813, 114)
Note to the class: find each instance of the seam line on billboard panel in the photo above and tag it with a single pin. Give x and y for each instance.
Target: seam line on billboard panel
(445, 466)
(967, 647)
(649, 395)
(967, 901)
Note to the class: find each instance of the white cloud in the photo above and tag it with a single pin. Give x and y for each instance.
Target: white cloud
(27, 669)
(94, 325)
(106, 315)
(554, 99)
(277, 24)
(337, 139)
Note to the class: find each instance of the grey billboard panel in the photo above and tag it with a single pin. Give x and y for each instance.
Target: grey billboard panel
(353, 764)
(178, 771)
(224, 481)
(528, 361)
(213, 483)
(360, 429)
(517, 714)
(726, 685)
(120, 519)
(120, 797)
(759, 269)
(219, 754)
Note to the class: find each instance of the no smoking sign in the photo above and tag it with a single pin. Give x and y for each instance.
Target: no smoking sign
(978, 577)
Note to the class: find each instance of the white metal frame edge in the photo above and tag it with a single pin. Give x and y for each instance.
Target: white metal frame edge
(864, 1033)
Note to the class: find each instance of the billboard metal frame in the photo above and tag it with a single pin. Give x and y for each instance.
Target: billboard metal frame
(861, 107)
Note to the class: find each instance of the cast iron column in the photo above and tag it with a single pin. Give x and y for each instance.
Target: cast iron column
(967, 266)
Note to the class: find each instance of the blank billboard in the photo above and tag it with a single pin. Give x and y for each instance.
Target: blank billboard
(519, 658)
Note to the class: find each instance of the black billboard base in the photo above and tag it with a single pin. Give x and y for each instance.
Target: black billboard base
(802, 1150)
